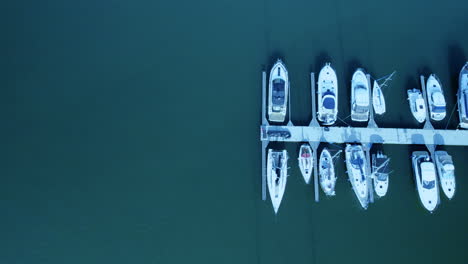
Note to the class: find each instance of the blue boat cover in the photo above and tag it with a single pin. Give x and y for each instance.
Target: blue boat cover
(329, 102)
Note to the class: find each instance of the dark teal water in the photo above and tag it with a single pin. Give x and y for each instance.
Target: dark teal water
(131, 131)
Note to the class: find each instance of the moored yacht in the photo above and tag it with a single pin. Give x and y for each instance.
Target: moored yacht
(306, 161)
(277, 173)
(426, 180)
(380, 173)
(417, 105)
(446, 172)
(359, 96)
(357, 172)
(378, 99)
(278, 92)
(327, 173)
(435, 98)
(463, 96)
(327, 95)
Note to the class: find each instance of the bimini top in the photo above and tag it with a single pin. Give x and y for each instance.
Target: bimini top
(278, 93)
(329, 100)
(362, 96)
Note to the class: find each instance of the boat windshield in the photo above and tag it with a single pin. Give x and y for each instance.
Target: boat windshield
(438, 109)
(382, 176)
(428, 184)
(278, 92)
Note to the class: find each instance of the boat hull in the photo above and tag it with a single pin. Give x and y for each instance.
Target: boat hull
(380, 177)
(425, 175)
(446, 173)
(327, 95)
(327, 173)
(378, 99)
(306, 162)
(277, 173)
(436, 99)
(417, 105)
(360, 102)
(278, 92)
(357, 174)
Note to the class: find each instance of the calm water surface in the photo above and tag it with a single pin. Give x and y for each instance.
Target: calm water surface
(131, 131)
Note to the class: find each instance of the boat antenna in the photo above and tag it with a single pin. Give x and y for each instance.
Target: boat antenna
(335, 145)
(453, 110)
(336, 154)
(343, 120)
(387, 78)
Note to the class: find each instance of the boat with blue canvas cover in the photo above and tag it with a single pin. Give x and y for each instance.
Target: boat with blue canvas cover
(278, 92)
(327, 95)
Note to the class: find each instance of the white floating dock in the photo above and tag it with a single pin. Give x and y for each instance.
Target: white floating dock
(402, 136)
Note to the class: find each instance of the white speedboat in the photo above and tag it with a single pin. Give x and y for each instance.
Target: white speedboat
(277, 173)
(426, 180)
(435, 98)
(278, 92)
(360, 102)
(446, 172)
(417, 105)
(327, 95)
(327, 173)
(463, 96)
(306, 161)
(378, 99)
(357, 172)
(380, 173)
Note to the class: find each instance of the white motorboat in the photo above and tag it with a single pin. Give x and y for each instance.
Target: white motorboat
(435, 98)
(446, 172)
(306, 161)
(277, 173)
(357, 172)
(327, 95)
(426, 180)
(380, 173)
(378, 99)
(327, 173)
(360, 102)
(417, 104)
(278, 92)
(463, 96)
